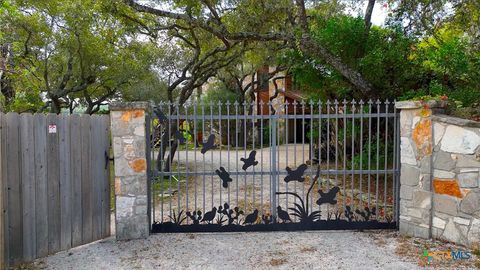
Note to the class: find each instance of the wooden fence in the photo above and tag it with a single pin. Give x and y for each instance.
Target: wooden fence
(55, 181)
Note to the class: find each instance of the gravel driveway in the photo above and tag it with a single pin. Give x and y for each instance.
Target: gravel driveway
(277, 250)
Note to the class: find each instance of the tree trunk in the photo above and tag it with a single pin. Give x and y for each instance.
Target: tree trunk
(310, 47)
(6, 60)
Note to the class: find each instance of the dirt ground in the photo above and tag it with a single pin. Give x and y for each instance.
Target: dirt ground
(259, 250)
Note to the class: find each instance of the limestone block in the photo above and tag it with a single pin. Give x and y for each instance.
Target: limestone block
(473, 235)
(460, 140)
(462, 221)
(406, 192)
(407, 153)
(445, 204)
(464, 161)
(443, 174)
(468, 179)
(409, 175)
(124, 206)
(447, 187)
(443, 161)
(422, 199)
(471, 203)
(422, 136)
(454, 232)
(439, 223)
(438, 131)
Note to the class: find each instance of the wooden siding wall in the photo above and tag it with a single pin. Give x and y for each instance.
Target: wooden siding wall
(56, 192)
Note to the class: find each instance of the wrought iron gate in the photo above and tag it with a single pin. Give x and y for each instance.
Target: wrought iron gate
(276, 166)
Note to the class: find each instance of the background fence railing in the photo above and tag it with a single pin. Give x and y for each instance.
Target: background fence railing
(55, 182)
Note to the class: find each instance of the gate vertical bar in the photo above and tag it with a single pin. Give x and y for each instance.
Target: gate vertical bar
(151, 204)
(273, 166)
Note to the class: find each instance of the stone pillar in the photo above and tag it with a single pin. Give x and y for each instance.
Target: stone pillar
(131, 196)
(416, 168)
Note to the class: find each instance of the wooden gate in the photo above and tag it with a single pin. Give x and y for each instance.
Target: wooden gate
(55, 181)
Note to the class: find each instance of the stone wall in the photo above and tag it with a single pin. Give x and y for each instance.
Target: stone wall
(439, 193)
(128, 134)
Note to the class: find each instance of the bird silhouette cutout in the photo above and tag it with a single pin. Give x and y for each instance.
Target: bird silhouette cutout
(296, 175)
(225, 176)
(283, 215)
(209, 216)
(180, 137)
(160, 115)
(328, 197)
(209, 144)
(250, 161)
(251, 218)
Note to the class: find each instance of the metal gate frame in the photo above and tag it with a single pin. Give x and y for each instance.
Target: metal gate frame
(168, 117)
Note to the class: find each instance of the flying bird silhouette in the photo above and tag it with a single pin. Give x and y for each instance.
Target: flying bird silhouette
(251, 218)
(209, 216)
(283, 215)
(209, 144)
(225, 176)
(296, 175)
(250, 161)
(328, 197)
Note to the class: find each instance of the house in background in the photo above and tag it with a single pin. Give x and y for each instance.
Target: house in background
(280, 90)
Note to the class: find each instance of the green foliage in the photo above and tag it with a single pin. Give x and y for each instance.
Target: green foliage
(218, 94)
(71, 51)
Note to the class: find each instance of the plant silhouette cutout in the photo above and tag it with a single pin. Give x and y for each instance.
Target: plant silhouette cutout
(232, 214)
(160, 115)
(210, 216)
(367, 213)
(296, 175)
(348, 213)
(251, 218)
(250, 161)
(302, 210)
(225, 176)
(267, 218)
(210, 144)
(283, 215)
(328, 197)
(177, 219)
(196, 217)
(179, 137)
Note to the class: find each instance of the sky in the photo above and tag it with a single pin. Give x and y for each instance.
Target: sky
(379, 14)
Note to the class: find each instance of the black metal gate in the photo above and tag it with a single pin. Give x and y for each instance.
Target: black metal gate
(236, 167)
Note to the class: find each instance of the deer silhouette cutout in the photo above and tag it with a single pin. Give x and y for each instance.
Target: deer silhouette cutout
(210, 144)
(328, 197)
(180, 137)
(225, 176)
(161, 116)
(250, 161)
(296, 175)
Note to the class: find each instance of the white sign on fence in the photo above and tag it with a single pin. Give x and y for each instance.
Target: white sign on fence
(52, 128)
